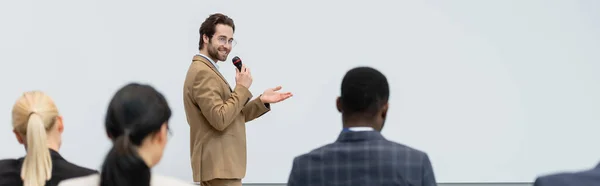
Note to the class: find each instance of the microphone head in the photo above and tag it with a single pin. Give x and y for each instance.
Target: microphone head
(237, 62)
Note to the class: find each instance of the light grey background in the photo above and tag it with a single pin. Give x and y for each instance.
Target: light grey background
(494, 91)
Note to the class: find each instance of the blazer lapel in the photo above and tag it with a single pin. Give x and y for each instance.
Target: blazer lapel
(208, 63)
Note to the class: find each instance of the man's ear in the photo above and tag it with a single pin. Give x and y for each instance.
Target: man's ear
(338, 104)
(19, 137)
(384, 110)
(59, 124)
(205, 39)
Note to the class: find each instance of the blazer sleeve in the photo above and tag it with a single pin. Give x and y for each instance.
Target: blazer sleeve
(219, 113)
(538, 182)
(428, 175)
(543, 181)
(255, 109)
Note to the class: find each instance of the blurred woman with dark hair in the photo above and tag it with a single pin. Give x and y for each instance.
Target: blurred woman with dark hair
(137, 123)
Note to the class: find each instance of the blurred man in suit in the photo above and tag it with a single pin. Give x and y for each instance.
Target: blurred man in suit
(217, 114)
(582, 178)
(361, 155)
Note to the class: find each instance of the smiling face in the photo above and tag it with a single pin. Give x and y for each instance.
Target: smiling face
(219, 46)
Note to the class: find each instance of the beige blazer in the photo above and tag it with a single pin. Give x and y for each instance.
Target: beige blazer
(217, 116)
(94, 180)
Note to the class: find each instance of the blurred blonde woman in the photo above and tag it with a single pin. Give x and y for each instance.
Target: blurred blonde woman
(38, 126)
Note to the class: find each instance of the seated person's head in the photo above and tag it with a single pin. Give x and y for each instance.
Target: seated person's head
(364, 98)
(137, 123)
(37, 125)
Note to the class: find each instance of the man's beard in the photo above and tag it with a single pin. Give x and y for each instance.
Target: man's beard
(213, 53)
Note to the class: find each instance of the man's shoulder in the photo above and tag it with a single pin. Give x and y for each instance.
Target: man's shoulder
(312, 153)
(389, 150)
(199, 71)
(553, 179)
(319, 150)
(380, 145)
(197, 67)
(587, 177)
(405, 148)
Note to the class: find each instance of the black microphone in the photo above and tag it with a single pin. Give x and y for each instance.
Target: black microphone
(237, 62)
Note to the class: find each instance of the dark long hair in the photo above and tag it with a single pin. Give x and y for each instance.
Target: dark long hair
(135, 112)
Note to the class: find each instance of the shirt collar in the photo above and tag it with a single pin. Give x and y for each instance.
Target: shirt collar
(360, 136)
(209, 59)
(356, 129)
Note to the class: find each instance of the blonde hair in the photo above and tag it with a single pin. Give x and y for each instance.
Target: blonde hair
(33, 115)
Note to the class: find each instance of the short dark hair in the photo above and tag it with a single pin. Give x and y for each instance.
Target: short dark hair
(364, 91)
(208, 26)
(135, 111)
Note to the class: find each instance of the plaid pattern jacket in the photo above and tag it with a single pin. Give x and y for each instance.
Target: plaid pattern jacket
(363, 158)
(581, 178)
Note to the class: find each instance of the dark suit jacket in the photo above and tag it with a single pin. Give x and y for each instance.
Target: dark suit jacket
(10, 171)
(362, 158)
(584, 178)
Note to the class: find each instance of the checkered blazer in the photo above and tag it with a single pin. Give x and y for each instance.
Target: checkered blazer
(362, 158)
(589, 177)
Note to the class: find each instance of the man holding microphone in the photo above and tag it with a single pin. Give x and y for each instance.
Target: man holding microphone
(217, 114)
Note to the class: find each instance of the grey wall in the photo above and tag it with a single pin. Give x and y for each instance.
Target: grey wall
(440, 184)
(490, 59)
